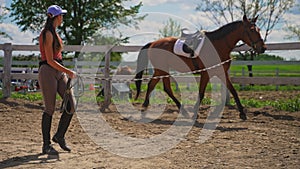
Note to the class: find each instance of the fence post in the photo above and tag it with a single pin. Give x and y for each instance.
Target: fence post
(227, 101)
(243, 75)
(75, 60)
(107, 83)
(7, 69)
(277, 75)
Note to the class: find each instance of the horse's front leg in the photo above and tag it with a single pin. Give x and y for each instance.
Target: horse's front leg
(202, 86)
(236, 98)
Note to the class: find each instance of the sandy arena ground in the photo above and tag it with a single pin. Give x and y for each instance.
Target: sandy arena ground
(268, 139)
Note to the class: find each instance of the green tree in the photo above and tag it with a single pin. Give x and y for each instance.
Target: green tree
(3, 13)
(83, 19)
(171, 28)
(100, 38)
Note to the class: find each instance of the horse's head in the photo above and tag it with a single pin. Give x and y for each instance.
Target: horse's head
(251, 35)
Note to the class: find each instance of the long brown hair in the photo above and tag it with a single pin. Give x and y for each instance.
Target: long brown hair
(56, 45)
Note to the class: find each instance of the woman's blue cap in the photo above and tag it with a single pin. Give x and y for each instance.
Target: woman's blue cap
(56, 10)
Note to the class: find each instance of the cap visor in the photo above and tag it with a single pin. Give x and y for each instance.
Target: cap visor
(64, 11)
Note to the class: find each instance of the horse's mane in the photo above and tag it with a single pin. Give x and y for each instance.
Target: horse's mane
(223, 31)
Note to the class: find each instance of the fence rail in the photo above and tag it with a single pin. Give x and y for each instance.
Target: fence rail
(6, 75)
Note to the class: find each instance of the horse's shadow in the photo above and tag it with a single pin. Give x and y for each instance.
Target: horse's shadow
(28, 159)
(211, 123)
(208, 125)
(276, 117)
(10, 103)
(16, 103)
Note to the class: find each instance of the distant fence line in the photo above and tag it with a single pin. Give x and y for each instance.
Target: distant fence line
(8, 48)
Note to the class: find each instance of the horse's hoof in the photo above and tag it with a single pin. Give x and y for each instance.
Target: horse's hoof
(243, 116)
(102, 109)
(243, 113)
(143, 109)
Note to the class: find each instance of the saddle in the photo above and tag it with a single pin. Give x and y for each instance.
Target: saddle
(189, 44)
(192, 40)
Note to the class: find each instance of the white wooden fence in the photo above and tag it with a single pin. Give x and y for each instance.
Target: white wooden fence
(8, 48)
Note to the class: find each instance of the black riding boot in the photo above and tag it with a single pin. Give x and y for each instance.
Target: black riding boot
(63, 125)
(46, 127)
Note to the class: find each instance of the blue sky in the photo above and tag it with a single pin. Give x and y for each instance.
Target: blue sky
(181, 10)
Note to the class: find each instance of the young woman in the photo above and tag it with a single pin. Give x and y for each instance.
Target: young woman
(53, 78)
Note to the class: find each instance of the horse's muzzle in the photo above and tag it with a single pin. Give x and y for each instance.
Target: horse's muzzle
(261, 49)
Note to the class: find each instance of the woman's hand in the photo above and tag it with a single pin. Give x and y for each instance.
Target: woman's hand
(72, 74)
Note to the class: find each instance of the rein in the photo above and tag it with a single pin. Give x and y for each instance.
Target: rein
(69, 93)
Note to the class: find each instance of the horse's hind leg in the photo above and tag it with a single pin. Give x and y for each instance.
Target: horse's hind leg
(168, 90)
(236, 98)
(151, 85)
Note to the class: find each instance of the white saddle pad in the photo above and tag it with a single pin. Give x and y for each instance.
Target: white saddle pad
(178, 48)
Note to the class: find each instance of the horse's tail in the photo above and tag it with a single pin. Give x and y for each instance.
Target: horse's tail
(142, 64)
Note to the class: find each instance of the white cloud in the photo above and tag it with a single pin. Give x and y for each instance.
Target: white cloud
(18, 36)
(154, 3)
(292, 19)
(277, 36)
(201, 21)
(186, 5)
(3, 11)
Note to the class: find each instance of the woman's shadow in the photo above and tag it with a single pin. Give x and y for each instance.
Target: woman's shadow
(29, 159)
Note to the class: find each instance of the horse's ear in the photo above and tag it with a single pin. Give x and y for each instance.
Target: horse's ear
(254, 19)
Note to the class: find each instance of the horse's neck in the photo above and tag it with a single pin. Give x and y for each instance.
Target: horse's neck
(230, 39)
(234, 37)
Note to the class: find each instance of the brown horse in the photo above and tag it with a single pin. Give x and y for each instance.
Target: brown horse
(222, 40)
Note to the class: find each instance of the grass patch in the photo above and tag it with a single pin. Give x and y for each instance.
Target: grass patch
(27, 96)
(291, 105)
(267, 70)
(265, 87)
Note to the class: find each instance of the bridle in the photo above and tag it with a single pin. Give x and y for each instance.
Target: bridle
(253, 43)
